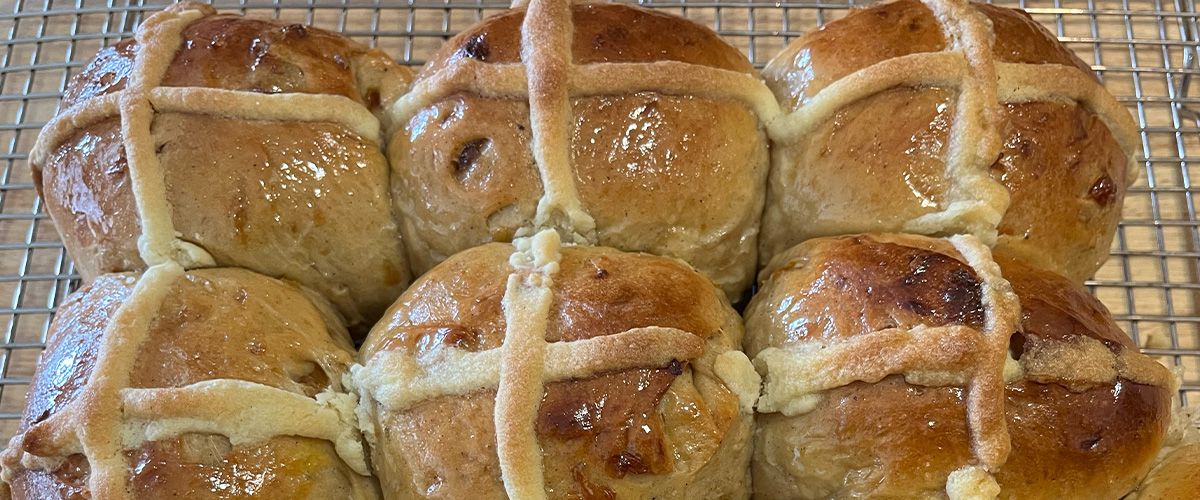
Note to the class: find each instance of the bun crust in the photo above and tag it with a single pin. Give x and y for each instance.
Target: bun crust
(246, 181)
(1084, 412)
(218, 342)
(671, 429)
(998, 131)
(675, 172)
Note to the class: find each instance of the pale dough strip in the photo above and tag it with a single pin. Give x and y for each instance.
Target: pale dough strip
(398, 381)
(647, 347)
(157, 243)
(488, 80)
(509, 80)
(99, 407)
(675, 78)
(324, 108)
(1084, 362)
(986, 389)
(546, 51)
(794, 374)
(526, 306)
(247, 105)
(245, 412)
(158, 38)
(975, 202)
(934, 69)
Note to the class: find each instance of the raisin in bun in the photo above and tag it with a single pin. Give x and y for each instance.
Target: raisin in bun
(945, 117)
(572, 372)
(216, 383)
(906, 366)
(213, 139)
(618, 126)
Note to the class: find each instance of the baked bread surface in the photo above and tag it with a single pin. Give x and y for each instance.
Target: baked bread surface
(951, 119)
(635, 160)
(633, 400)
(261, 137)
(194, 383)
(929, 370)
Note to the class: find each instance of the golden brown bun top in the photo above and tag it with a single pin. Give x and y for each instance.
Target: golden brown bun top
(1021, 39)
(1053, 307)
(72, 343)
(213, 324)
(603, 32)
(604, 432)
(881, 32)
(598, 291)
(855, 285)
(1080, 416)
(232, 52)
(860, 284)
(648, 115)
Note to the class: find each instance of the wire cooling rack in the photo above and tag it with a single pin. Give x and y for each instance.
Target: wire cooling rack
(1145, 50)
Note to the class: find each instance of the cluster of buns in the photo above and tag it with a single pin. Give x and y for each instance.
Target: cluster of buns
(580, 190)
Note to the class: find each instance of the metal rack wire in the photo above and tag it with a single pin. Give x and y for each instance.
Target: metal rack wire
(1145, 50)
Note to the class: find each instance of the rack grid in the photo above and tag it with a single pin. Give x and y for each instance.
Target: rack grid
(1146, 51)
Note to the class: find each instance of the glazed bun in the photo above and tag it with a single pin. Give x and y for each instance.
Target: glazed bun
(572, 372)
(616, 125)
(941, 118)
(211, 139)
(905, 366)
(217, 383)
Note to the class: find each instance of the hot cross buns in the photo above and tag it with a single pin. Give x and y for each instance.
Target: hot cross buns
(905, 366)
(216, 383)
(212, 139)
(562, 372)
(617, 126)
(944, 117)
